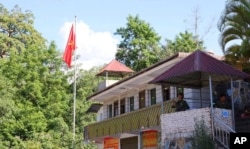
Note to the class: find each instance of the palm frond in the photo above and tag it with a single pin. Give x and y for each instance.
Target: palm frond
(226, 39)
(234, 26)
(233, 54)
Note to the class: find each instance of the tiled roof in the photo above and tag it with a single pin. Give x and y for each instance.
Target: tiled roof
(115, 69)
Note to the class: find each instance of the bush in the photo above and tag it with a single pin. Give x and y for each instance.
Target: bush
(201, 138)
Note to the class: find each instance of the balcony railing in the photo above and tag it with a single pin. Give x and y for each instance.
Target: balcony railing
(128, 122)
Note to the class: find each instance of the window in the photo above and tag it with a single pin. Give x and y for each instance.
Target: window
(179, 90)
(110, 110)
(153, 96)
(165, 92)
(131, 103)
(122, 106)
(142, 99)
(115, 108)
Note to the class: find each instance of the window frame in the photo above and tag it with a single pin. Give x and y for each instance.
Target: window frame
(142, 99)
(122, 106)
(153, 96)
(116, 108)
(165, 92)
(131, 104)
(110, 111)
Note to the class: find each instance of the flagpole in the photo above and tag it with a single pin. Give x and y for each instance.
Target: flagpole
(74, 90)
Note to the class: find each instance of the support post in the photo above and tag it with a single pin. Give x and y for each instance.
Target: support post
(211, 104)
(232, 102)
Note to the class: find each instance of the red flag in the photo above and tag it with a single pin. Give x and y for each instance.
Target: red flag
(70, 47)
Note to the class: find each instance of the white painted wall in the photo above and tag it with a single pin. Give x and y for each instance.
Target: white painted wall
(159, 97)
(136, 101)
(127, 105)
(173, 92)
(105, 84)
(100, 146)
(100, 114)
(192, 96)
(195, 99)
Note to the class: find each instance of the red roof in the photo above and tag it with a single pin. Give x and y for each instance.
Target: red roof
(115, 69)
(194, 70)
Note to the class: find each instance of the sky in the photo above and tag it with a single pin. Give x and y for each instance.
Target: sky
(97, 20)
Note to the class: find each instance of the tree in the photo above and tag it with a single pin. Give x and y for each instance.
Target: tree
(138, 45)
(183, 42)
(86, 86)
(235, 32)
(40, 98)
(36, 96)
(86, 83)
(17, 31)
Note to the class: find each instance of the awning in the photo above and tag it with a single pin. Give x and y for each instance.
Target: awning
(94, 108)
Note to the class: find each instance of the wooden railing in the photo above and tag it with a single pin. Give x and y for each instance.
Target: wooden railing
(128, 122)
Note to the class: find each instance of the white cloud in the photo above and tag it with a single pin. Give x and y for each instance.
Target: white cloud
(94, 48)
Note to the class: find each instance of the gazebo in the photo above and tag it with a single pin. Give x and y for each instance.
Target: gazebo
(198, 70)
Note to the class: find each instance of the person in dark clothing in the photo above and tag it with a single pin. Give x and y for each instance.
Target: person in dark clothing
(223, 103)
(181, 104)
(246, 113)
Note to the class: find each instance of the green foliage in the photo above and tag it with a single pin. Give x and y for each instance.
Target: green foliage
(39, 95)
(201, 137)
(17, 31)
(234, 27)
(139, 43)
(85, 86)
(183, 42)
(140, 47)
(36, 109)
(36, 96)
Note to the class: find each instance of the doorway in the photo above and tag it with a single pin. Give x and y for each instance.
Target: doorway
(129, 143)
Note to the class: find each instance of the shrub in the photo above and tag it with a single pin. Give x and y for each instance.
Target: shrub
(201, 138)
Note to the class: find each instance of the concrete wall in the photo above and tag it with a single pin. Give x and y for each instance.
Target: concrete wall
(180, 125)
(105, 84)
(177, 128)
(224, 115)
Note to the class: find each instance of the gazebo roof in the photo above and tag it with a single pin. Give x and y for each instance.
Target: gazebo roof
(115, 69)
(194, 70)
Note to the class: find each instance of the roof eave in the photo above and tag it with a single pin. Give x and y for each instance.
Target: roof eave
(135, 75)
